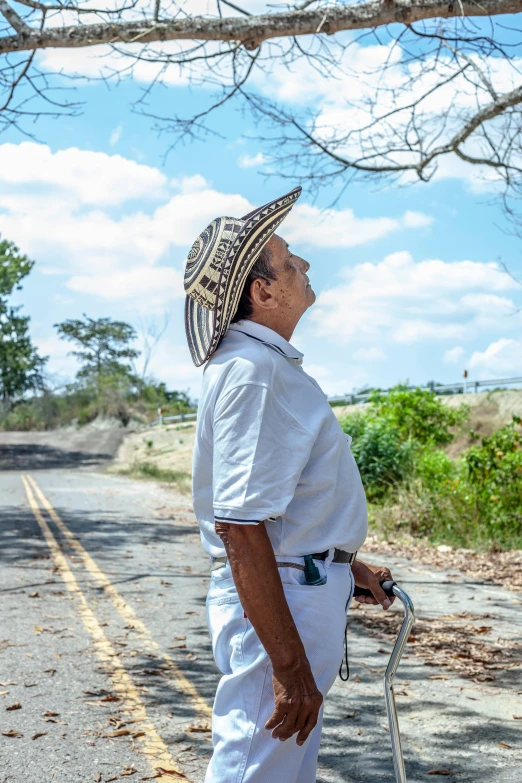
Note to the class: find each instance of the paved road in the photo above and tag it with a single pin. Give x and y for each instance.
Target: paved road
(103, 643)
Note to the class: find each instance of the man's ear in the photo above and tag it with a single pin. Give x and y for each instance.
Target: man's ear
(262, 294)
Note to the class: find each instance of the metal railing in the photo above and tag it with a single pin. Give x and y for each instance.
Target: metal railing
(181, 417)
(464, 386)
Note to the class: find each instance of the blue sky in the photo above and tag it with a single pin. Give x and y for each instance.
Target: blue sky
(407, 278)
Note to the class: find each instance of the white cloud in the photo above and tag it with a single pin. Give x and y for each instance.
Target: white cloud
(341, 228)
(453, 355)
(401, 301)
(116, 135)
(68, 209)
(88, 177)
(153, 285)
(502, 358)
(251, 161)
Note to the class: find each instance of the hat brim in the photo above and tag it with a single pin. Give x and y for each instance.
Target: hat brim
(205, 328)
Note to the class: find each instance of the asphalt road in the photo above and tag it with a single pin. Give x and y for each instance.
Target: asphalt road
(104, 646)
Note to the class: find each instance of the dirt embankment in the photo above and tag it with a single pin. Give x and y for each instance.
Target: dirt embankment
(167, 448)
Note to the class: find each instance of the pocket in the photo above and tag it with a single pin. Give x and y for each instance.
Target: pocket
(294, 578)
(227, 625)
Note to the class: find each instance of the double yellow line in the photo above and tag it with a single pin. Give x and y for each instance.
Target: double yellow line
(153, 746)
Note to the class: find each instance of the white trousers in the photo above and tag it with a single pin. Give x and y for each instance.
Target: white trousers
(244, 751)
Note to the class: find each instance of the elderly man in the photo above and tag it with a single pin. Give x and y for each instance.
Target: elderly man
(278, 498)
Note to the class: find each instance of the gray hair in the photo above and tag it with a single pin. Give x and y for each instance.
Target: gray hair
(262, 270)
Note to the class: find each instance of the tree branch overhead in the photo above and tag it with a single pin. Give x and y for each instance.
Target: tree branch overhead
(250, 30)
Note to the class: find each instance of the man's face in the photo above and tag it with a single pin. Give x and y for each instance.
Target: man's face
(292, 286)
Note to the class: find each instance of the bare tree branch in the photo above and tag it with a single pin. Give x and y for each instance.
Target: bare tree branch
(12, 17)
(253, 30)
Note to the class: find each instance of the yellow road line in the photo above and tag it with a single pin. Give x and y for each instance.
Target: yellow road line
(126, 611)
(154, 747)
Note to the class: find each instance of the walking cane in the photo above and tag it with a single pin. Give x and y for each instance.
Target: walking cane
(392, 588)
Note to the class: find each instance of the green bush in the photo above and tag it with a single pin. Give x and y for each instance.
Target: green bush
(494, 474)
(418, 414)
(383, 459)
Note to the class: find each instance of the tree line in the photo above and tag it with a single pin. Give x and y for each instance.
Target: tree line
(107, 381)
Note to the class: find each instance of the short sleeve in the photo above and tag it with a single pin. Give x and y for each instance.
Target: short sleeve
(260, 451)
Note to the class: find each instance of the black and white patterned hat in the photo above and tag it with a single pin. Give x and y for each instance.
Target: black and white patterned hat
(217, 267)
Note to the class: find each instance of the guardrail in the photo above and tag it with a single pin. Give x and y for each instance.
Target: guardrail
(180, 417)
(465, 386)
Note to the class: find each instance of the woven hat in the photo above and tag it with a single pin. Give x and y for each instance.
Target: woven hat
(217, 268)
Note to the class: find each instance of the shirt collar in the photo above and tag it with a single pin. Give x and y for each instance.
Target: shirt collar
(268, 337)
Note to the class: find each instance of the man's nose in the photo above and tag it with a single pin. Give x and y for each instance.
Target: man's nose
(305, 266)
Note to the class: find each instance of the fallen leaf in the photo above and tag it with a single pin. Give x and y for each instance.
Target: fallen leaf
(50, 672)
(350, 715)
(438, 677)
(111, 697)
(483, 629)
(39, 734)
(5, 684)
(138, 734)
(504, 745)
(198, 727)
(97, 778)
(439, 772)
(4, 693)
(50, 714)
(174, 772)
(517, 717)
(15, 706)
(34, 595)
(180, 646)
(118, 733)
(412, 638)
(30, 684)
(11, 733)
(190, 612)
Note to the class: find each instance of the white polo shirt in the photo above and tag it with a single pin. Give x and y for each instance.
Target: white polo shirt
(269, 447)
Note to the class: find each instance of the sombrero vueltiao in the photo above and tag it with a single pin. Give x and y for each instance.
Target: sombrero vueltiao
(217, 268)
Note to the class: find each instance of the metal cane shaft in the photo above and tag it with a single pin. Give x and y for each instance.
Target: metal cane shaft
(393, 722)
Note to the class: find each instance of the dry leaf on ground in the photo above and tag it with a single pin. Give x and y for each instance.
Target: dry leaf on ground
(39, 734)
(199, 727)
(12, 733)
(15, 706)
(439, 772)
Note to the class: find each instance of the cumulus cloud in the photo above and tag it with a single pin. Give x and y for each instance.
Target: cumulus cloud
(341, 228)
(402, 301)
(75, 212)
(247, 161)
(453, 355)
(502, 358)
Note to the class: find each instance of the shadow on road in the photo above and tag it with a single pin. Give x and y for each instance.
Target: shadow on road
(36, 456)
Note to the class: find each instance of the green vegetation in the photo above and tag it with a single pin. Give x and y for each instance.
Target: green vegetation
(20, 365)
(179, 479)
(412, 484)
(106, 384)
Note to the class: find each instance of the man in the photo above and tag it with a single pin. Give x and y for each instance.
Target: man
(278, 498)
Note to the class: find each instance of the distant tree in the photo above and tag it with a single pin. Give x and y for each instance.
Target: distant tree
(20, 365)
(102, 345)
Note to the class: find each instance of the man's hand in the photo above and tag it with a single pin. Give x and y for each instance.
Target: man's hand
(297, 703)
(370, 577)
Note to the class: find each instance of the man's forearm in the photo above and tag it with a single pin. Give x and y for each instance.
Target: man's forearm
(261, 593)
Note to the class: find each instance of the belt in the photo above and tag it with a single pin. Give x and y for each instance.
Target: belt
(340, 556)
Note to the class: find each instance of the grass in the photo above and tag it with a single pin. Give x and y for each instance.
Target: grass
(178, 479)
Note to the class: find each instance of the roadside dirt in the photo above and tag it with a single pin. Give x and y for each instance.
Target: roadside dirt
(500, 568)
(168, 447)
